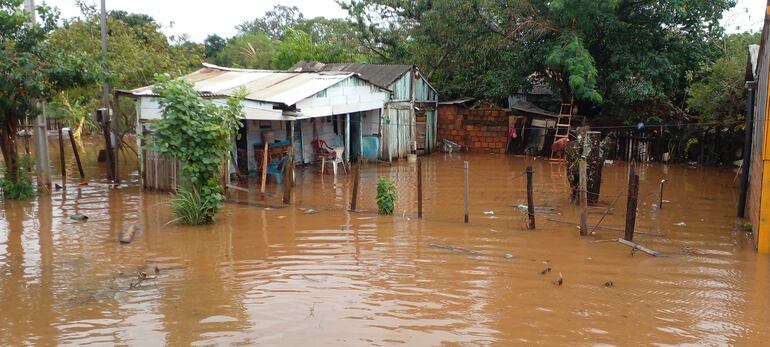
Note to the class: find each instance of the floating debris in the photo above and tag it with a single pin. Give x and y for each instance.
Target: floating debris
(680, 224)
(311, 211)
(608, 284)
(559, 280)
(453, 248)
(538, 209)
(545, 271)
(79, 217)
(508, 256)
(489, 213)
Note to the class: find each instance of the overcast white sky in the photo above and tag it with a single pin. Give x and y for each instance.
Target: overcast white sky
(200, 18)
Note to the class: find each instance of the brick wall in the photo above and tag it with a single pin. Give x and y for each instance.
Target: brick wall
(481, 129)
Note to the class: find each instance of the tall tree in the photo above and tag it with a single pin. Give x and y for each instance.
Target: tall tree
(212, 45)
(274, 22)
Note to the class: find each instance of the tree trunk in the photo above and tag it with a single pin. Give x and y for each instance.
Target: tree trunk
(8, 146)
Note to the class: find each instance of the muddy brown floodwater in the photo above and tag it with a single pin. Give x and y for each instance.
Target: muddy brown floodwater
(313, 274)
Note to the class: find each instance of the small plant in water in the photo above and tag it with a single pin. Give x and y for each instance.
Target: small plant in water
(386, 195)
(21, 187)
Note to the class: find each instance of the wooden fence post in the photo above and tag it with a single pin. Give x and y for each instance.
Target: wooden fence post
(62, 161)
(356, 179)
(583, 183)
(660, 198)
(530, 198)
(633, 195)
(264, 168)
(419, 187)
(467, 192)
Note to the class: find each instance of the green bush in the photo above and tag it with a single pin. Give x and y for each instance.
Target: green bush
(386, 195)
(21, 187)
(198, 133)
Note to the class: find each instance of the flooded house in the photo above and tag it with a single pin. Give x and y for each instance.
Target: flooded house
(409, 116)
(335, 109)
(754, 201)
(485, 127)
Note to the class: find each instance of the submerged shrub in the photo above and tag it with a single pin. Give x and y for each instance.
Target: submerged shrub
(386, 195)
(191, 207)
(21, 187)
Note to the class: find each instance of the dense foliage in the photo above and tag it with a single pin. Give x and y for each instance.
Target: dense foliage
(31, 70)
(137, 51)
(199, 134)
(718, 93)
(282, 37)
(608, 55)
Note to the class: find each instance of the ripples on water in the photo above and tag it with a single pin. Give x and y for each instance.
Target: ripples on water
(289, 277)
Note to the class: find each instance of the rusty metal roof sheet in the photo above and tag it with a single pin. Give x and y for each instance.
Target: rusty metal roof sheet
(281, 87)
(382, 75)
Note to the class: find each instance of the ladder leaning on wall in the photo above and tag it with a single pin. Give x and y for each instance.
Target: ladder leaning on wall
(563, 125)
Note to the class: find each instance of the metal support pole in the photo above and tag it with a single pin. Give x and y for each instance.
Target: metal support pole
(747, 144)
(347, 137)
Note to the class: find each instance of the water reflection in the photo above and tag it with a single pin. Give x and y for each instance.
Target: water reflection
(320, 275)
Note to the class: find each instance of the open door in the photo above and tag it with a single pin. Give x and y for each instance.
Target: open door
(421, 121)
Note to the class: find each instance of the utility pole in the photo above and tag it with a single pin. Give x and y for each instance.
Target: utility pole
(107, 115)
(40, 130)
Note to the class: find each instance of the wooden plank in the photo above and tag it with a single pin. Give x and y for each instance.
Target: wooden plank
(127, 235)
(637, 247)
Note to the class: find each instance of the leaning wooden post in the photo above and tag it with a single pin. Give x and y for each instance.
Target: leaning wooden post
(264, 168)
(356, 179)
(633, 195)
(419, 187)
(62, 161)
(660, 198)
(530, 198)
(77, 155)
(467, 192)
(583, 186)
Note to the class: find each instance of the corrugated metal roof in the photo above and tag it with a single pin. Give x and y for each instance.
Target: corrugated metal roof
(455, 102)
(282, 87)
(528, 107)
(382, 75)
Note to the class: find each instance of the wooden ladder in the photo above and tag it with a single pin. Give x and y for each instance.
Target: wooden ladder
(563, 125)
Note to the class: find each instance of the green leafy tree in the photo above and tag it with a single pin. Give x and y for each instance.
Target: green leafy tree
(386, 195)
(213, 44)
(137, 51)
(199, 134)
(248, 51)
(274, 22)
(719, 96)
(31, 71)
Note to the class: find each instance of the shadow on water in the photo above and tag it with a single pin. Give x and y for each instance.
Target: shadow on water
(316, 273)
